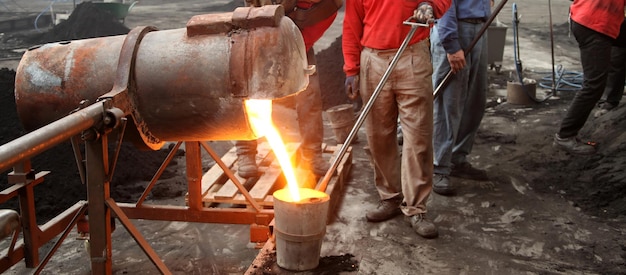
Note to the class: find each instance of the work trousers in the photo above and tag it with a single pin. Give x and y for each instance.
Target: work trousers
(617, 75)
(595, 55)
(407, 96)
(309, 112)
(460, 106)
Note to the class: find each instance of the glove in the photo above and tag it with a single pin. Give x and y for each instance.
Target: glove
(424, 13)
(352, 86)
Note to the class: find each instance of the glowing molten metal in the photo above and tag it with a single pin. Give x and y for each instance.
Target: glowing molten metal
(260, 116)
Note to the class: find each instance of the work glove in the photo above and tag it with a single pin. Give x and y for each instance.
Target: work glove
(352, 87)
(424, 13)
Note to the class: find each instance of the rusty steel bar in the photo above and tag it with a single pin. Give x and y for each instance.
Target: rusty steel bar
(132, 230)
(50, 135)
(158, 174)
(58, 243)
(231, 176)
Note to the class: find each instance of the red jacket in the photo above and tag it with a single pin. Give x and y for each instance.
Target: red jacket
(603, 16)
(377, 24)
(313, 33)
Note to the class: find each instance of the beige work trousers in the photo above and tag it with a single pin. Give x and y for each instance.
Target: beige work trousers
(407, 95)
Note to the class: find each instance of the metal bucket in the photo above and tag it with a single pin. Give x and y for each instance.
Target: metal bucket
(299, 228)
(519, 94)
(341, 121)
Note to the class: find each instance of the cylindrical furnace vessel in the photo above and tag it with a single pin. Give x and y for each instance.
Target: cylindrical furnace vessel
(187, 84)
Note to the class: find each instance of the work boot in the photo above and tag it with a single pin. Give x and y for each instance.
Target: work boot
(466, 171)
(573, 145)
(386, 209)
(604, 108)
(442, 185)
(247, 167)
(316, 163)
(422, 226)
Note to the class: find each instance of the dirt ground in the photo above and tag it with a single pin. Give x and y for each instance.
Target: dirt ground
(542, 211)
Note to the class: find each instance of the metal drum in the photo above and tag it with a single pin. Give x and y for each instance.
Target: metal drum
(185, 84)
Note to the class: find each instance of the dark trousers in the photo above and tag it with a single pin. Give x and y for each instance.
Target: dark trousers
(617, 75)
(595, 56)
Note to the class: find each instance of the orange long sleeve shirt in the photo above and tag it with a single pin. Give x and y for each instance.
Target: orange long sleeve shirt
(377, 24)
(313, 33)
(604, 16)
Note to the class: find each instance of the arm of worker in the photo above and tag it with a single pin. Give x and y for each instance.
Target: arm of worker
(428, 11)
(447, 27)
(351, 45)
(351, 36)
(440, 7)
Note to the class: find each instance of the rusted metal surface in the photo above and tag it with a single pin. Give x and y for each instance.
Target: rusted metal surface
(48, 136)
(188, 87)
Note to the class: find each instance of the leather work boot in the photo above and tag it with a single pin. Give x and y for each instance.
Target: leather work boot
(442, 185)
(386, 209)
(573, 145)
(317, 164)
(247, 167)
(467, 171)
(422, 226)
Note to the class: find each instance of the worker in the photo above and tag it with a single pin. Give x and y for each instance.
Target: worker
(313, 18)
(373, 31)
(596, 27)
(461, 106)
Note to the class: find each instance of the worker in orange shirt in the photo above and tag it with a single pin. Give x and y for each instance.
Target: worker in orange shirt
(313, 18)
(373, 31)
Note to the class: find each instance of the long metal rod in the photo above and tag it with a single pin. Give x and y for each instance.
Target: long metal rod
(50, 135)
(231, 176)
(158, 173)
(446, 79)
(58, 243)
(132, 230)
(368, 106)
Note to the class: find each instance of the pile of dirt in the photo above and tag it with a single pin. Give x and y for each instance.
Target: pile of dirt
(331, 75)
(86, 21)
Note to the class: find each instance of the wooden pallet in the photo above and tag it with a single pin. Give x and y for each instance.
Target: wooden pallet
(219, 190)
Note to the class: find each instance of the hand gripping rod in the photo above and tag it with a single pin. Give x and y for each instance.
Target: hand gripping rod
(469, 48)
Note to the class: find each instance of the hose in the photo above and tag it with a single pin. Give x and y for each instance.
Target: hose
(559, 80)
(568, 81)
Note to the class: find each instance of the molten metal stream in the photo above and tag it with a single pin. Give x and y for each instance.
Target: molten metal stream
(260, 116)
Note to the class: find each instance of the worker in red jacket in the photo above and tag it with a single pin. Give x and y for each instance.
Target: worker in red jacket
(373, 30)
(596, 27)
(313, 18)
